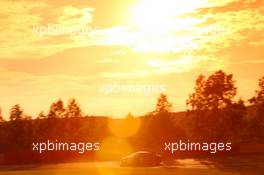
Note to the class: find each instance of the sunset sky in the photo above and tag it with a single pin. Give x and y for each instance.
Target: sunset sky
(162, 42)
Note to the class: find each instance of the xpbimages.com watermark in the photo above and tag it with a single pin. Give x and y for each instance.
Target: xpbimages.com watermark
(52, 146)
(211, 147)
(57, 30)
(146, 89)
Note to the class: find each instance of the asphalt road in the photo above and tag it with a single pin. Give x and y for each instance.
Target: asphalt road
(227, 166)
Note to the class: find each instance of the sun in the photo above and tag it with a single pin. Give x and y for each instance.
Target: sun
(161, 25)
(158, 16)
(147, 16)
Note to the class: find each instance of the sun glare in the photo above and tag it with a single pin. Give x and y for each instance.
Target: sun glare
(160, 15)
(154, 63)
(148, 16)
(158, 25)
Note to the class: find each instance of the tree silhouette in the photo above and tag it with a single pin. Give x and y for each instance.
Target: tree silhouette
(41, 115)
(258, 99)
(130, 116)
(163, 106)
(233, 117)
(57, 110)
(16, 113)
(1, 116)
(256, 126)
(211, 104)
(73, 109)
(161, 122)
(212, 93)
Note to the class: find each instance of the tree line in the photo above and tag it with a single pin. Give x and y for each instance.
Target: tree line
(213, 114)
(57, 110)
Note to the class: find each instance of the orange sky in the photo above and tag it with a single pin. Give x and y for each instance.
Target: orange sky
(147, 42)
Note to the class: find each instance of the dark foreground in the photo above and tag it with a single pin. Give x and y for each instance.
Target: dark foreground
(253, 165)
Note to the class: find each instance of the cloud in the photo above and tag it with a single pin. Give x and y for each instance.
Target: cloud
(21, 17)
(184, 35)
(72, 16)
(259, 61)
